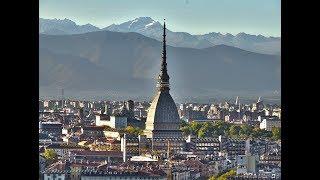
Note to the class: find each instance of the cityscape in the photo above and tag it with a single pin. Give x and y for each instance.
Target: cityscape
(138, 99)
(158, 139)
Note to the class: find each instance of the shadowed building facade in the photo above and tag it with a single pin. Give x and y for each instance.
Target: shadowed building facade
(163, 119)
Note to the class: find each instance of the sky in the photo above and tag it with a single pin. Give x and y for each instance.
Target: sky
(192, 16)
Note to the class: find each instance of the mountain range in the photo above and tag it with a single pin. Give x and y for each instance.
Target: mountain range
(64, 26)
(113, 64)
(153, 29)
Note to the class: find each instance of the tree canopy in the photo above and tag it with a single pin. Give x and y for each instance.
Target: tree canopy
(276, 133)
(50, 154)
(133, 130)
(224, 176)
(211, 129)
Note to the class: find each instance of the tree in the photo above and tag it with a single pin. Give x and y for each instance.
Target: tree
(130, 130)
(50, 155)
(276, 133)
(208, 126)
(183, 124)
(257, 132)
(227, 174)
(202, 133)
(133, 130)
(195, 127)
(234, 130)
(206, 130)
(246, 130)
(186, 130)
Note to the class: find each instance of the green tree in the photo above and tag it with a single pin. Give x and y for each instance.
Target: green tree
(246, 130)
(130, 130)
(234, 130)
(195, 127)
(186, 130)
(227, 174)
(221, 128)
(257, 132)
(50, 155)
(183, 124)
(202, 133)
(206, 130)
(276, 133)
(133, 130)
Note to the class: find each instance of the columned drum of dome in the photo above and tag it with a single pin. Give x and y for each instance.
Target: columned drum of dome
(163, 119)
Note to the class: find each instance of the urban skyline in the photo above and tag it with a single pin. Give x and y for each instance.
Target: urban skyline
(158, 140)
(118, 135)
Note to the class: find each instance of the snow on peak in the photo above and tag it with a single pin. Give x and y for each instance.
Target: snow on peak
(141, 23)
(150, 24)
(134, 21)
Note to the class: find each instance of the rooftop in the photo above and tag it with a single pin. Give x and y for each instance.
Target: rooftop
(97, 153)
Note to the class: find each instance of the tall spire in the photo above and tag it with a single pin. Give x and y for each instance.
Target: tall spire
(163, 79)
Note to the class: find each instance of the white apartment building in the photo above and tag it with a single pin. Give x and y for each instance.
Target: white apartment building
(268, 123)
(117, 122)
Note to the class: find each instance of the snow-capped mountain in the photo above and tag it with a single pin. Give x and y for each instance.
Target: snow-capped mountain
(141, 24)
(63, 26)
(153, 29)
(255, 43)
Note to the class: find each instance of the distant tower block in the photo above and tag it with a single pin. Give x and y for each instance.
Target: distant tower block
(259, 100)
(81, 115)
(237, 100)
(62, 98)
(259, 104)
(130, 105)
(130, 108)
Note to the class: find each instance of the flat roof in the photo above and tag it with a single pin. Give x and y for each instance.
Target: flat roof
(143, 159)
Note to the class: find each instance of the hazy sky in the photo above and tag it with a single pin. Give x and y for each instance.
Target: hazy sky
(193, 16)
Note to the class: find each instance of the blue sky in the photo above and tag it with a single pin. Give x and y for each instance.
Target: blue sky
(193, 16)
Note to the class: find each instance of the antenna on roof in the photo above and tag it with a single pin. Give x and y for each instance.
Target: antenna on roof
(62, 97)
(259, 99)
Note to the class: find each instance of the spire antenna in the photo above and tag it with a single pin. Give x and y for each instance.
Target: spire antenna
(163, 78)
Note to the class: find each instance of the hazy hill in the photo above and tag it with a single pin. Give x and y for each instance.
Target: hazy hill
(119, 64)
